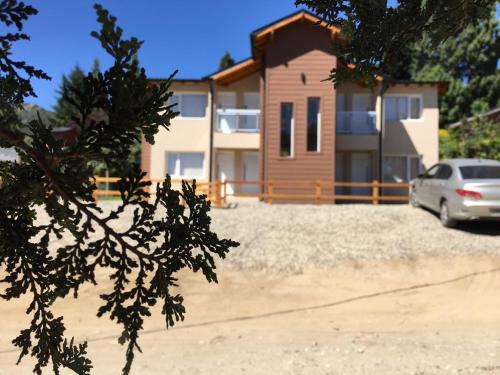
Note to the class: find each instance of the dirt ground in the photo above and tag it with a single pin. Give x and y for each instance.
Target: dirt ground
(428, 315)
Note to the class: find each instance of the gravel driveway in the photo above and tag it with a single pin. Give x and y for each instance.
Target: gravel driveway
(286, 238)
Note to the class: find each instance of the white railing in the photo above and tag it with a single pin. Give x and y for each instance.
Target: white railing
(238, 120)
(361, 122)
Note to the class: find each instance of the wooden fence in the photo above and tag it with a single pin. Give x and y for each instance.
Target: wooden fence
(276, 190)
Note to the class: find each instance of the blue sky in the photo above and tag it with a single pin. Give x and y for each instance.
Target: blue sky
(188, 35)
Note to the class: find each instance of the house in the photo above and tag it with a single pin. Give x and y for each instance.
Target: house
(274, 117)
(492, 115)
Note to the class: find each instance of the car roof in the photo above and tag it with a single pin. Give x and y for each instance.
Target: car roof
(470, 162)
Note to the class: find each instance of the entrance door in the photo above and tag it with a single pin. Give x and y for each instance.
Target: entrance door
(361, 171)
(250, 163)
(225, 168)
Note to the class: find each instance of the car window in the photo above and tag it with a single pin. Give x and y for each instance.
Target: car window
(431, 172)
(478, 172)
(444, 172)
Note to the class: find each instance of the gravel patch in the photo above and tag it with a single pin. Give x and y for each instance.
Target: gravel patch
(287, 238)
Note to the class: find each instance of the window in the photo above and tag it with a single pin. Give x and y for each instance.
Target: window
(431, 172)
(286, 130)
(403, 108)
(313, 124)
(480, 172)
(190, 105)
(444, 172)
(185, 164)
(401, 168)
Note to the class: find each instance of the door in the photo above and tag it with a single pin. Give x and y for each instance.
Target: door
(225, 169)
(361, 122)
(250, 165)
(424, 186)
(361, 171)
(226, 123)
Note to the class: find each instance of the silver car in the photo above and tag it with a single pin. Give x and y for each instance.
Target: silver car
(459, 189)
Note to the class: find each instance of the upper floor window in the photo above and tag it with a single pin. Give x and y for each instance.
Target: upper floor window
(190, 105)
(313, 124)
(185, 164)
(403, 108)
(286, 130)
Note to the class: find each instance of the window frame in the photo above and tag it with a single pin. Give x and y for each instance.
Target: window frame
(408, 106)
(318, 126)
(178, 166)
(408, 164)
(292, 131)
(178, 108)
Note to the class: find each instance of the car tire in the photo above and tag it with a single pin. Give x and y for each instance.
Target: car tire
(413, 199)
(444, 216)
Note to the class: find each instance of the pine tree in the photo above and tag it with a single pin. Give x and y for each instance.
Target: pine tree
(226, 61)
(168, 232)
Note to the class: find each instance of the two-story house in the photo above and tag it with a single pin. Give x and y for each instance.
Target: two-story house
(275, 117)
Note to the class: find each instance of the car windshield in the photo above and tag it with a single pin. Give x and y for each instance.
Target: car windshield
(480, 172)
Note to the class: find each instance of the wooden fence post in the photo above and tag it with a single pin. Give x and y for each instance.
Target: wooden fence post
(218, 198)
(270, 191)
(375, 190)
(224, 191)
(318, 192)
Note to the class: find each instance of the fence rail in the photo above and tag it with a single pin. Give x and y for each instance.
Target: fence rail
(317, 191)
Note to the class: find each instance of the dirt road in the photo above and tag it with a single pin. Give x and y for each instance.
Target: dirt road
(426, 316)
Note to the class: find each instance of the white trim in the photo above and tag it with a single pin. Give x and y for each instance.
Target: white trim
(408, 106)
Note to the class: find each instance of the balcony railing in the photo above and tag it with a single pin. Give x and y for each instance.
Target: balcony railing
(356, 122)
(238, 120)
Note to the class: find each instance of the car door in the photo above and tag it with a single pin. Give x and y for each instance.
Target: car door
(438, 185)
(424, 185)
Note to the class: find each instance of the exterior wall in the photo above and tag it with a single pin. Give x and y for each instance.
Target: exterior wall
(297, 52)
(415, 137)
(185, 135)
(244, 141)
(357, 142)
(247, 84)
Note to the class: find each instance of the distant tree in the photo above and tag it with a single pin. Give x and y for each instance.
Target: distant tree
(66, 107)
(468, 62)
(168, 232)
(226, 61)
(373, 33)
(479, 138)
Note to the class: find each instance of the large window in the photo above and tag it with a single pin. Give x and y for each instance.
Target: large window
(401, 168)
(313, 124)
(185, 164)
(403, 108)
(286, 130)
(190, 105)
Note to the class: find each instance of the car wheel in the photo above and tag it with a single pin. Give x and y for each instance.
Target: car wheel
(444, 215)
(413, 199)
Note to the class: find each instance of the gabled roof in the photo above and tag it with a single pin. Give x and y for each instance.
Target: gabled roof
(259, 40)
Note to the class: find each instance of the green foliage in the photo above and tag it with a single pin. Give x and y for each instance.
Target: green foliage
(115, 109)
(226, 61)
(475, 139)
(468, 62)
(373, 34)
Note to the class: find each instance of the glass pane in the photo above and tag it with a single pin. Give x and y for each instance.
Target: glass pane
(415, 107)
(395, 168)
(312, 124)
(248, 123)
(414, 167)
(402, 108)
(191, 164)
(194, 105)
(227, 123)
(480, 172)
(286, 129)
(171, 164)
(390, 109)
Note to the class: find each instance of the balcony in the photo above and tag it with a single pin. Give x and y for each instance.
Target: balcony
(361, 122)
(237, 120)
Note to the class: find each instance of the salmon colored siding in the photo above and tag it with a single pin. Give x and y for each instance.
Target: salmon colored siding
(146, 157)
(297, 52)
